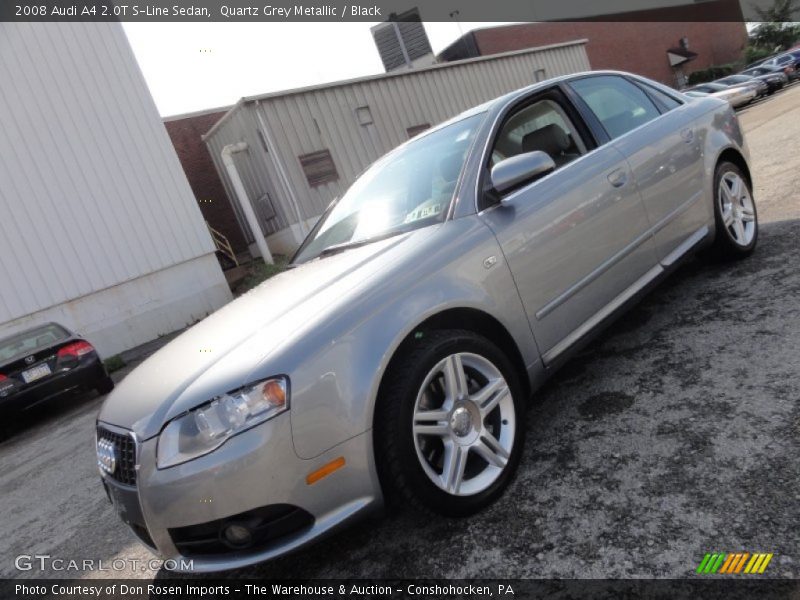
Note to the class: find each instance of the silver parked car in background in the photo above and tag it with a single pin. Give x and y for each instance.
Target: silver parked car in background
(394, 360)
(742, 80)
(772, 76)
(735, 95)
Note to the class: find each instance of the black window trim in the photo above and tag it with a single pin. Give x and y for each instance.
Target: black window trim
(589, 118)
(649, 89)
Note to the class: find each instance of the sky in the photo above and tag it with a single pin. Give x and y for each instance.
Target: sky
(196, 66)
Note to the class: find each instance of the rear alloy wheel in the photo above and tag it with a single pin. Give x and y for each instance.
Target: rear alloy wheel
(735, 213)
(448, 431)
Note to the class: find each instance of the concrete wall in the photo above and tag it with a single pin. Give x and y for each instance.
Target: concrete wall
(134, 312)
(98, 228)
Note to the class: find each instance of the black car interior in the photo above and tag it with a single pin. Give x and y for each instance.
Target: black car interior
(554, 141)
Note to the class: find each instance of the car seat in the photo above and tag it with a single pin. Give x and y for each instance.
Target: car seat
(554, 141)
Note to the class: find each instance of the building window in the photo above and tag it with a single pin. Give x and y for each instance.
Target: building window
(363, 115)
(539, 75)
(415, 130)
(318, 167)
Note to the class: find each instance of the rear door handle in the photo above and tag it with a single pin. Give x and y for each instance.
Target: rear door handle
(618, 178)
(687, 135)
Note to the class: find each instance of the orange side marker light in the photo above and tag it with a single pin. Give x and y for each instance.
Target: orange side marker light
(325, 470)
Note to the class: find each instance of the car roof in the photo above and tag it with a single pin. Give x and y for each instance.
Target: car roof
(510, 97)
(761, 62)
(505, 99)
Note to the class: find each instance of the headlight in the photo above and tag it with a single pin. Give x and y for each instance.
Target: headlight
(207, 427)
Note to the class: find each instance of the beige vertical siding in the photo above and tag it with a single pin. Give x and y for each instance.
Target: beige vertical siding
(324, 117)
(91, 190)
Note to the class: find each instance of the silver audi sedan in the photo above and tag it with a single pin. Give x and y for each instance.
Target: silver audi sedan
(394, 359)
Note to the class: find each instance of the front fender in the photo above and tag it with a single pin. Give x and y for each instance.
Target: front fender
(337, 370)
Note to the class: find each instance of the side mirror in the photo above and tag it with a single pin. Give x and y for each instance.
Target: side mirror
(522, 168)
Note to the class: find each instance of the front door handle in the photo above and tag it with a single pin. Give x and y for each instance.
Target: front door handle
(687, 135)
(618, 178)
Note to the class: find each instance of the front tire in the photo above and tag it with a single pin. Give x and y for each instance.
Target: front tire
(735, 214)
(449, 423)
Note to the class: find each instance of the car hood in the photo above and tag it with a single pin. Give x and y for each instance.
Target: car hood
(219, 353)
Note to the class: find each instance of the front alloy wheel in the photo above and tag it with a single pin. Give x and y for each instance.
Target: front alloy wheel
(447, 431)
(464, 424)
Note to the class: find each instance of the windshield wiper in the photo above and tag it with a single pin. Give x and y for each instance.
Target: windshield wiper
(336, 248)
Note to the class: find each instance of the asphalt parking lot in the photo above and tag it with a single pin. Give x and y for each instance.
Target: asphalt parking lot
(674, 434)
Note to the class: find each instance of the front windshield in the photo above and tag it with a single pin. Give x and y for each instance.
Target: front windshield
(408, 189)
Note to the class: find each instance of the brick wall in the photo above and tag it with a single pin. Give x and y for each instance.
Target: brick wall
(627, 46)
(185, 134)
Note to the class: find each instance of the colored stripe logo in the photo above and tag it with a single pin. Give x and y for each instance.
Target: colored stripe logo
(734, 563)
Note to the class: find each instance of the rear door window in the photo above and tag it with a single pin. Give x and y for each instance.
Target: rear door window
(618, 104)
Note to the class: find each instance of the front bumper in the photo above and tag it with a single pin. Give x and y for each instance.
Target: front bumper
(255, 472)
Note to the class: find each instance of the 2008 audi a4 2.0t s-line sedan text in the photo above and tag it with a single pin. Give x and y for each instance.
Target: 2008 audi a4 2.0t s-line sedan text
(394, 359)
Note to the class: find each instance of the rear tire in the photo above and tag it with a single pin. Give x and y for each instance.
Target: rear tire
(105, 386)
(449, 423)
(735, 214)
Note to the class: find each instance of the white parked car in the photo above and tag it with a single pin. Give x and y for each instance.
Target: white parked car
(735, 95)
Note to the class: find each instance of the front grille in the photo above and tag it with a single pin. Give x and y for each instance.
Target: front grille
(125, 452)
